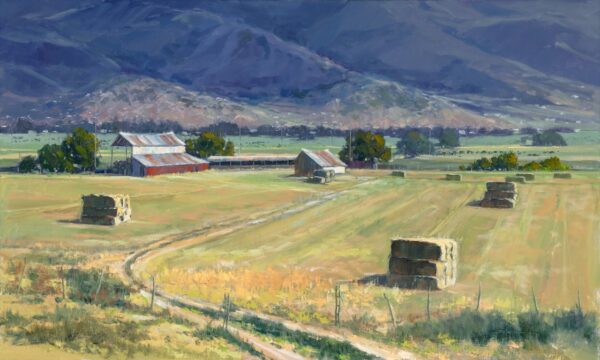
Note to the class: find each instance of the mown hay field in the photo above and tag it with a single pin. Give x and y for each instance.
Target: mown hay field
(548, 244)
(42, 211)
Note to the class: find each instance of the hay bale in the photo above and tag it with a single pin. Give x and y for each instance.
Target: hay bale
(399, 173)
(527, 176)
(563, 176)
(419, 263)
(404, 266)
(496, 194)
(316, 180)
(105, 209)
(424, 249)
(501, 186)
(515, 179)
(498, 203)
(454, 177)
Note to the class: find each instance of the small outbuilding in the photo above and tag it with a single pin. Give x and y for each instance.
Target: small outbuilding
(308, 161)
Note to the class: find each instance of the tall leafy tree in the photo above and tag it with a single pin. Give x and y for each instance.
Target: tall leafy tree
(208, 144)
(81, 148)
(414, 143)
(366, 146)
(52, 158)
(27, 164)
(549, 138)
(449, 138)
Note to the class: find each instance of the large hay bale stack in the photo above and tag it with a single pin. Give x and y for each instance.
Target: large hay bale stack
(454, 177)
(501, 195)
(399, 173)
(105, 209)
(527, 176)
(419, 263)
(516, 179)
(562, 176)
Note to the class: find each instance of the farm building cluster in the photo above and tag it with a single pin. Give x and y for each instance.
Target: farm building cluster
(156, 154)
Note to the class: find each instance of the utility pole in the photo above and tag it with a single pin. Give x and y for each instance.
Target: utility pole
(350, 147)
(95, 145)
(240, 136)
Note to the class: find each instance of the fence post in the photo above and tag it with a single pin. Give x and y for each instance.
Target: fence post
(478, 297)
(99, 285)
(428, 303)
(338, 304)
(22, 273)
(227, 308)
(62, 282)
(391, 310)
(153, 292)
(535, 306)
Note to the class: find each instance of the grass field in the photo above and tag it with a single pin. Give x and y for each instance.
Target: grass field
(289, 266)
(41, 211)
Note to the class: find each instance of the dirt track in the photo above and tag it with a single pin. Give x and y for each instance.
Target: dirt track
(178, 304)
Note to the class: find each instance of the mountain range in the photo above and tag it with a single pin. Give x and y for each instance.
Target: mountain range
(334, 63)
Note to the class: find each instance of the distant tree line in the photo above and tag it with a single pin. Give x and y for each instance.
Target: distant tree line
(414, 142)
(510, 161)
(208, 144)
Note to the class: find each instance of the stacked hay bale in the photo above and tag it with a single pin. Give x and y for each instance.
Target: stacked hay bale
(105, 209)
(454, 177)
(517, 179)
(500, 195)
(527, 176)
(322, 176)
(562, 176)
(399, 173)
(418, 263)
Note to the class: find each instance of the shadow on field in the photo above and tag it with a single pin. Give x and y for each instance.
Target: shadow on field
(373, 279)
(474, 203)
(70, 221)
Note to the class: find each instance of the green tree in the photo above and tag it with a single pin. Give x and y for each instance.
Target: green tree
(532, 166)
(414, 143)
(208, 144)
(549, 138)
(554, 164)
(449, 138)
(506, 161)
(366, 146)
(81, 148)
(52, 157)
(27, 164)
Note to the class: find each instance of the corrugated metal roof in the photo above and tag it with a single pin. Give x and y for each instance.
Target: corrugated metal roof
(164, 139)
(324, 158)
(159, 160)
(252, 158)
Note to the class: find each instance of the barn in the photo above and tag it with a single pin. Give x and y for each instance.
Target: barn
(308, 161)
(156, 154)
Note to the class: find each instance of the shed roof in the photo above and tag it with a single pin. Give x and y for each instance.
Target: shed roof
(161, 160)
(324, 158)
(252, 158)
(164, 139)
